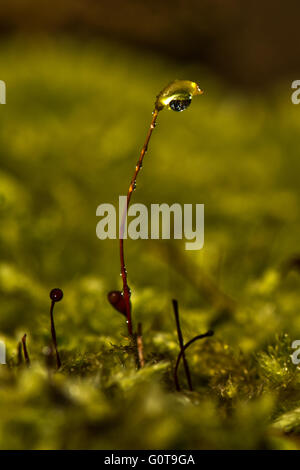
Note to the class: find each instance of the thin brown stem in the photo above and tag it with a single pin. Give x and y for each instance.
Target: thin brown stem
(53, 333)
(25, 352)
(180, 355)
(140, 347)
(181, 344)
(126, 290)
(20, 357)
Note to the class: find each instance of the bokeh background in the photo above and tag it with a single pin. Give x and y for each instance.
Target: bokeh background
(81, 81)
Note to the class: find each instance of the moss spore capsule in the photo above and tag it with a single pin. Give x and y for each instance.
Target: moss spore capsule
(56, 294)
(116, 299)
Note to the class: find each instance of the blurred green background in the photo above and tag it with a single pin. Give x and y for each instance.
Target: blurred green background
(78, 108)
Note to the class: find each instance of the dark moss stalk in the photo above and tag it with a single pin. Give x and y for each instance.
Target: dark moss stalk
(180, 355)
(20, 355)
(55, 295)
(25, 351)
(181, 344)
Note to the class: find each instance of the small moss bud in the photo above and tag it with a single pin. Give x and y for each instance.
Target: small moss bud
(56, 294)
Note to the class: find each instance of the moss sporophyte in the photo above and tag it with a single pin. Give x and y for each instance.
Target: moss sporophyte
(55, 295)
(177, 96)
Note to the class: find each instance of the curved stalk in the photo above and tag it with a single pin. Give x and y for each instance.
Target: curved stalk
(53, 333)
(181, 344)
(26, 355)
(205, 335)
(126, 289)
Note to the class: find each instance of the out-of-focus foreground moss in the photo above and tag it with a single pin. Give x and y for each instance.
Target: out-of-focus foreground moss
(70, 133)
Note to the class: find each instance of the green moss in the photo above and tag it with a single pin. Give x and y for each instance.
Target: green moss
(75, 119)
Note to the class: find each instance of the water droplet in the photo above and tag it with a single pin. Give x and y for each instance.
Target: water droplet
(179, 93)
(180, 105)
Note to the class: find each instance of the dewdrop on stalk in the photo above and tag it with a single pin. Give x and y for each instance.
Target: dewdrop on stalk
(177, 95)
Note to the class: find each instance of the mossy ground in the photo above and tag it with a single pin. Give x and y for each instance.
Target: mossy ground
(71, 131)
